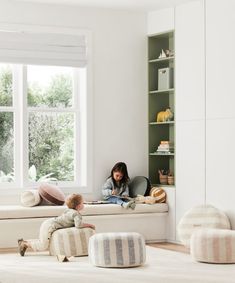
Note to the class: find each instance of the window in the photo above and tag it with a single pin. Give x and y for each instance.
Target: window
(42, 125)
(45, 125)
(6, 125)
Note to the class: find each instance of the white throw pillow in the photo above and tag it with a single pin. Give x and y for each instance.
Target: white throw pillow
(30, 198)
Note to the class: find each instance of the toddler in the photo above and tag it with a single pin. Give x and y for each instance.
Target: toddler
(70, 217)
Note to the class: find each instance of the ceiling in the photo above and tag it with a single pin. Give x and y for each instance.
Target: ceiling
(131, 5)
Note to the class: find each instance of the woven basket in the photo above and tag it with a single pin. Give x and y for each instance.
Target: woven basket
(163, 179)
(170, 180)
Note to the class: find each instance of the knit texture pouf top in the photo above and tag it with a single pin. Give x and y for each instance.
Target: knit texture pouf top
(70, 241)
(121, 249)
(202, 216)
(213, 245)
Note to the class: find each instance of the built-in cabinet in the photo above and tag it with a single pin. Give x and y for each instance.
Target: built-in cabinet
(204, 105)
(190, 106)
(161, 122)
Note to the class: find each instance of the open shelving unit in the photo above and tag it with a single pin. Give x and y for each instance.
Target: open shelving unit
(160, 100)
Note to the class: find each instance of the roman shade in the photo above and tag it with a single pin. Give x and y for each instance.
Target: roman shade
(42, 47)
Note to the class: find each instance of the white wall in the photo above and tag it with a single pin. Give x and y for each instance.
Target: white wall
(161, 21)
(119, 79)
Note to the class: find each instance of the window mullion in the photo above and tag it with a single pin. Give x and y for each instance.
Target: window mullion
(17, 101)
(77, 128)
(24, 129)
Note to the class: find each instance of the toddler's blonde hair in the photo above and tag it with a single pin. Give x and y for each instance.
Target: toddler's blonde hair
(73, 200)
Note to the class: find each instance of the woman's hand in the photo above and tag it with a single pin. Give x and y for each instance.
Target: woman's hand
(114, 192)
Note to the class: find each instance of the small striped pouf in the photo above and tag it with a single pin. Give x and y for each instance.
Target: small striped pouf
(203, 216)
(213, 245)
(117, 249)
(70, 241)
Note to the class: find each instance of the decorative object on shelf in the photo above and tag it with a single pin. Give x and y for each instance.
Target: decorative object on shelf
(169, 53)
(162, 54)
(164, 116)
(165, 147)
(159, 194)
(165, 78)
(170, 179)
(145, 199)
(163, 176)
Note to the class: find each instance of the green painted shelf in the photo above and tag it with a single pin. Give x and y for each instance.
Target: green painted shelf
(170, 90)
(161, 154)
(161, 59)
(162, 123)
(161, 185)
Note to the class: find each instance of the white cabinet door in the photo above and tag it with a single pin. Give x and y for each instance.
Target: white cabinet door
(190, 61)
(220, 134)
(190, 166)
(220, 156)
(189, 107)
(220, 46)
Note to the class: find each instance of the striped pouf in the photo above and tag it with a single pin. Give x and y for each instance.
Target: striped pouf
(117, 249)
(70, 241)
(213, 245)
(203, 216)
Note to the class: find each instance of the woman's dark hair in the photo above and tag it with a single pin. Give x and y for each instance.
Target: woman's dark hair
(122, 168)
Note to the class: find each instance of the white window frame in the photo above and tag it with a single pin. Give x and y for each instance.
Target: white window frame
(83, 123)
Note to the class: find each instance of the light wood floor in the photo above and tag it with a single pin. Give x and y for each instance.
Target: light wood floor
(171, 247)
(166, 246)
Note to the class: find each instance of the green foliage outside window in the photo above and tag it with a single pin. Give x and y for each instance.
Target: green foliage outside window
(51, 135)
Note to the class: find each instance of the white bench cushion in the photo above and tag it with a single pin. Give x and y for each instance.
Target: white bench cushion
(17, 211)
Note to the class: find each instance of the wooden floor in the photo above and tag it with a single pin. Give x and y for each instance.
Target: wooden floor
(166, 246)
(8, 251)
(171, 247)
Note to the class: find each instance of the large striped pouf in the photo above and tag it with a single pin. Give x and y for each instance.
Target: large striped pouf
(117, 249)
(202, 216)
(70, 241)
(213, 245)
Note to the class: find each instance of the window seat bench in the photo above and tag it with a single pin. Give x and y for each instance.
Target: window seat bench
(23, 222)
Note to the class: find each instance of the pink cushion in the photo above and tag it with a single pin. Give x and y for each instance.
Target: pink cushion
(51, 194)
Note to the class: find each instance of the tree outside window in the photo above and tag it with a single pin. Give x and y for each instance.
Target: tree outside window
(52, 115)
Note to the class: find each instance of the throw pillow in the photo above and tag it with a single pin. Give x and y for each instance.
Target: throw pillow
(139, 185)
(159, 194)
(30, 198)
(51, 194)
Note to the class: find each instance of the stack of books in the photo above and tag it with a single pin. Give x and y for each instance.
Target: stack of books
(165, 147)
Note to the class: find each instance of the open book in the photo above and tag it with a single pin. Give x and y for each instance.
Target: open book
(96, 202)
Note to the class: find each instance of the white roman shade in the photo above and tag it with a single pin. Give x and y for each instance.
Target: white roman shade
(43, 48)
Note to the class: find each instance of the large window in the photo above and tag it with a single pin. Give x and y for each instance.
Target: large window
(42, 125)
